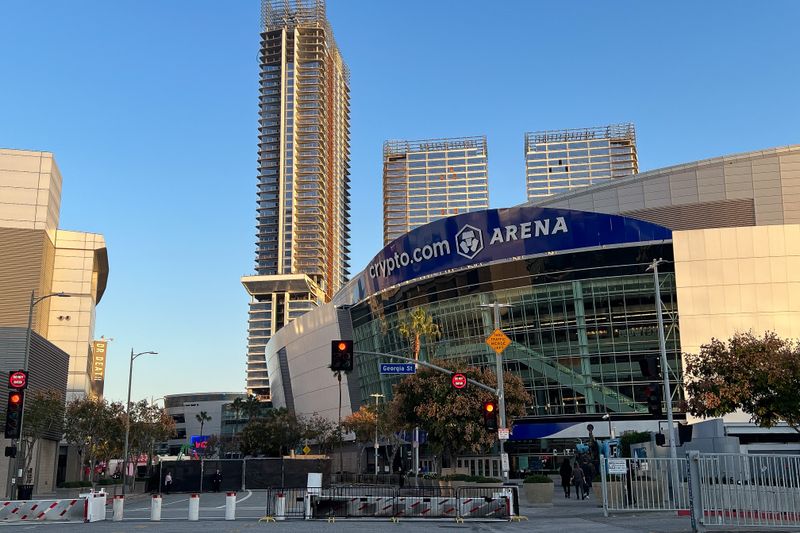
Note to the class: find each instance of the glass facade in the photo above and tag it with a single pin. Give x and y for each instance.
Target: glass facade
(427, 180)
(578, 331)
(558, 161)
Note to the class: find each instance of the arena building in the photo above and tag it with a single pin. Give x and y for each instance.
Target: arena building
(582, 315)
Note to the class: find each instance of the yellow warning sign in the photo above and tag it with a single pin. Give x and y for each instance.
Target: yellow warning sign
(498, 341)
(306, 449)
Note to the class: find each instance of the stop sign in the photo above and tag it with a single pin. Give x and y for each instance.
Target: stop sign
(18, 379)
(459, 381)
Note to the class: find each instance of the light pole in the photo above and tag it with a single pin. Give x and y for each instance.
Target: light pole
(376, 395)
(662, 345)
(128, 418)
(25, 362)
(607, 417)
(501, 394)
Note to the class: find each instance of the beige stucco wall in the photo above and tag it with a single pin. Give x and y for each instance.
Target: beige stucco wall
(30, 190)
(71, 322)
(733, 280)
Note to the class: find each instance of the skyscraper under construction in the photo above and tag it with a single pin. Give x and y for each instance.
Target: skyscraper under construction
(302, 221)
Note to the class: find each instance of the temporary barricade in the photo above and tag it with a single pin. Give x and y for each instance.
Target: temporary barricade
(427, 502)
(746, 491)
(644, 484)
(43, 510)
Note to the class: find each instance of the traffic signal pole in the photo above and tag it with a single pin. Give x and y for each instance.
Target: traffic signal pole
(501, 392)
(662, 346)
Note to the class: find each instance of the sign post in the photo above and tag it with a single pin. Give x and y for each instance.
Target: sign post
(499, 341)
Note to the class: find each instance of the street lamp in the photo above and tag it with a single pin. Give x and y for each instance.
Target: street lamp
(607, 417)
(376, 396)
(128, 418)
(26, 359)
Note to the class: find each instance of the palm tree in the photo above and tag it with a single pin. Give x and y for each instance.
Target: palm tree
(202, 417)
(416, 325)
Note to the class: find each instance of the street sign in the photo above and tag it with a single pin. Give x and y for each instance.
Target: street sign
(306, 449)
(504, 462)
(398, 368)
(18, 380)
(503, 433)
(459, 381)
(498, 341)
(617, 466)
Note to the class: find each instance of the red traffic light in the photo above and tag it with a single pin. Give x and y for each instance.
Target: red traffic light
(489, 407)
(15, 398)
(342, 346)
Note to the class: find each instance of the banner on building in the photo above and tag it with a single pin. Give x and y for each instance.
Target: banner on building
(98, 369)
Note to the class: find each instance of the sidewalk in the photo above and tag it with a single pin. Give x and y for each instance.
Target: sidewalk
(587, 515)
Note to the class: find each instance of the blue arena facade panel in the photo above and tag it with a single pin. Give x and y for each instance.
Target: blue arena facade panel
(582, 315)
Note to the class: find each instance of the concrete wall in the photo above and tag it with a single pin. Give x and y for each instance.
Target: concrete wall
(307, 343)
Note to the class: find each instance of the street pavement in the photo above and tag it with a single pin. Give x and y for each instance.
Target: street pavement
(579, 516)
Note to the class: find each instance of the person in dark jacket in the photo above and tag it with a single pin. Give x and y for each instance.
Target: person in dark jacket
(566, 476)
(216, 481)
(588, 476)
(579, 481)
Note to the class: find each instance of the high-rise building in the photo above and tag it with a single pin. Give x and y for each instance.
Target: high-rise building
(561, 160)
(302, 236)
(427, 180)
(39, 257)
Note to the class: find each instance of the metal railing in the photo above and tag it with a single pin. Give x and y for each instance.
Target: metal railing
(384, 501)
(644, 484)
(749, 491)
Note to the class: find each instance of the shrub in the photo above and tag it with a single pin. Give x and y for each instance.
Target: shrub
(470, 479)
(109, 481)
(537, 478)
(74, 484)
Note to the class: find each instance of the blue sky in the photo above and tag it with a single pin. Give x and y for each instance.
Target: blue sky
(150, 108)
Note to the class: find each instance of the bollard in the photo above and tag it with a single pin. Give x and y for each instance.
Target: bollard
(230, 506)
(194, 507)
(280, 506)
(155, 508)
(119, 504)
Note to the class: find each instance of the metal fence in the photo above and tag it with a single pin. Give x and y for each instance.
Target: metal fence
(391, 502)
(644, 484)
(749, 491)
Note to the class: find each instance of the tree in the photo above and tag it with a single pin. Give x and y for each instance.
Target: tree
(273, 435)
(95, 427)
(322, 431)
(362, 425)
(759, 375)
(202, 417)
(150, 424)
(417, 325)
(453, 418)
(44, 416)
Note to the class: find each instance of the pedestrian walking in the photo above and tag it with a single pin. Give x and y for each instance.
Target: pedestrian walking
(566, 477)
(167, 482)
(579, 481)
(588, 476)
(216, 481)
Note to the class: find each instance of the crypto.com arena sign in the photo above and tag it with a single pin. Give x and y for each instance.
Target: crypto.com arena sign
(496, 234)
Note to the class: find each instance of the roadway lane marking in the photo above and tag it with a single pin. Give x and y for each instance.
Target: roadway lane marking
(249, 493)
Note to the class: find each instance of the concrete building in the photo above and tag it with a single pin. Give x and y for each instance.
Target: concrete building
(40, 257)
(184, 409)
(582, 313)
(302, 236)
(427, 180)
(561, 160)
